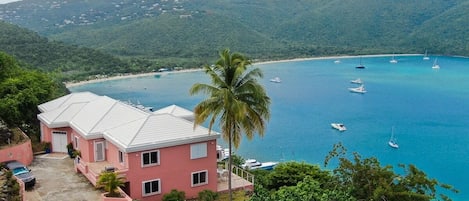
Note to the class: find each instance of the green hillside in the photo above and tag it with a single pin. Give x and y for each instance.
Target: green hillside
(68, 61)
(187, 33)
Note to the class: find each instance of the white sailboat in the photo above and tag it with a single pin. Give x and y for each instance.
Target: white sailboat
(393, 60)
(435, 64)
(392, 142)
(425, 56)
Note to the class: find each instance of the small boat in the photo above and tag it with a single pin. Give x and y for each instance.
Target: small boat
(339, 126)
(425, 56)
(393, 60)
(276, 80)
(337, 62)
(356, 81)
(360, 66)
(435, 64)
(360, 89)
(392, 142)
(222, 153)
(252, 164)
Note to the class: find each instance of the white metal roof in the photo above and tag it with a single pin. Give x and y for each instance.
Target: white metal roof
(79, 97)
(157, 130)
(129, 128)
(176, 111)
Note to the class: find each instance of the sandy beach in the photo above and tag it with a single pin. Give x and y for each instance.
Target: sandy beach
(126, 76)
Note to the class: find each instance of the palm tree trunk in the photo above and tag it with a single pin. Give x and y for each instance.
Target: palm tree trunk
(230, 164)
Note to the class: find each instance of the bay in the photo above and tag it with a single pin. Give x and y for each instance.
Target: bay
(428, 108)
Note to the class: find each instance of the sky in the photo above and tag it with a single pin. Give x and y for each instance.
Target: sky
(7, 1)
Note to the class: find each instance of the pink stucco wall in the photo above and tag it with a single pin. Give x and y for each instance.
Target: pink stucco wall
(112, 156)
(175, 171)
(46, 133)
(21, 152)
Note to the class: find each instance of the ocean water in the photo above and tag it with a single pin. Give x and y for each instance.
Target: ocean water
(429, 110)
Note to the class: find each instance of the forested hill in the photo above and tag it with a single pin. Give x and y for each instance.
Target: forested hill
(265, 29)
(71, 62)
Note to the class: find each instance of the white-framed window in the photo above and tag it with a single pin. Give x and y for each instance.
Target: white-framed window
(199, 178)
(121, 156)
(150, 158)
(75, 141)
(198, 150)
(151, 187)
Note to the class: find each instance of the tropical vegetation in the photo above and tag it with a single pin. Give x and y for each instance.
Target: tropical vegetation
(21, 91)
(110, 182)
(235, 100)
(352, 180)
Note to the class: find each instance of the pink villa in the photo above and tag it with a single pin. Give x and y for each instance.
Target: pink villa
(154, 151)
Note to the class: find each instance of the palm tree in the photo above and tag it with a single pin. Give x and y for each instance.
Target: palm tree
(110, 181)
(235, 99)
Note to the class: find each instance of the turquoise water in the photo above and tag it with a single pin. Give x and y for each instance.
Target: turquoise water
(429, 110)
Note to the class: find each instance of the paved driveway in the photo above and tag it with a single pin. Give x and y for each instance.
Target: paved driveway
(56, 180)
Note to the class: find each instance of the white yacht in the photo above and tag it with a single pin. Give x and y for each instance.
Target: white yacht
(356, 81)
(276, 80)
(252, 164)
(339, 126)
(360, 89)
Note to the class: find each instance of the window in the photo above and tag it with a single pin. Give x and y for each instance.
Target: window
(151, 187)
(75, 141)
(199, 178)
(198, 150)
(121, 157)
(150, 158)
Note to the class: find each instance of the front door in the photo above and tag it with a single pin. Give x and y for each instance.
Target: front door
(99, 151)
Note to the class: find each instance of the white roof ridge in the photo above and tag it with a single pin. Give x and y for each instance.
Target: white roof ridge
(140, 128)
(104, 115)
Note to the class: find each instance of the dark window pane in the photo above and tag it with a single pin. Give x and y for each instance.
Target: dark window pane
(203, 177)
(195, 178)
(147, 187)
(154, 186)
(146, 158)
(154, 157)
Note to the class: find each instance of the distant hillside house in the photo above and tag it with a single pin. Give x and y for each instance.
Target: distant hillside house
(155, 152)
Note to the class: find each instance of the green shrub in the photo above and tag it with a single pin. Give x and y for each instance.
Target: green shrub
(174, 195)
(207, 195)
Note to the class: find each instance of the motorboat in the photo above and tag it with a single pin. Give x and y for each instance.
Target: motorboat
(337, 62)
(252, 164)
(360, 89)
(276, 80)
(222, 153)
(356, 81)
(339, 126)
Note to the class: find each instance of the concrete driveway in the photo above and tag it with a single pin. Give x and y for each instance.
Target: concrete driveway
(56, 180)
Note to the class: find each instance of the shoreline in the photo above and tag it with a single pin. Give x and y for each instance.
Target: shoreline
(127, 76)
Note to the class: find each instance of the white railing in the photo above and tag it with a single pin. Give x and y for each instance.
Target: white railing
(243, 174)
